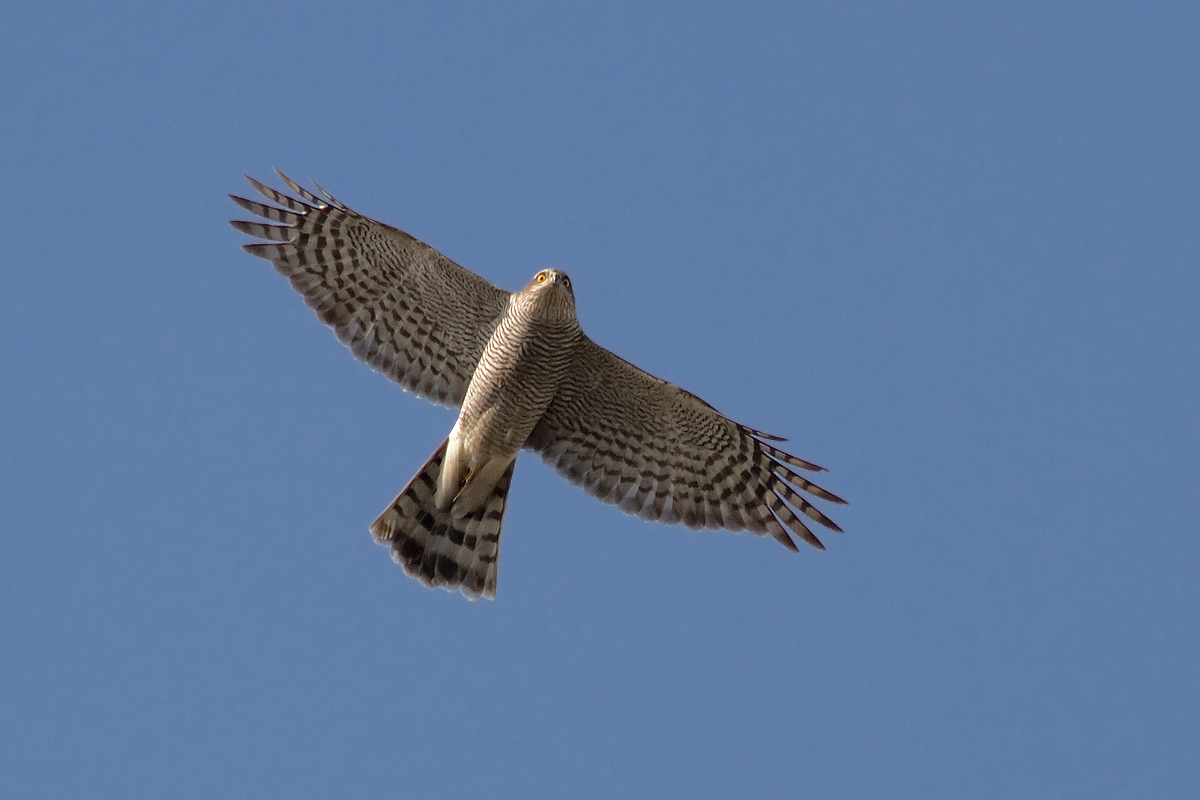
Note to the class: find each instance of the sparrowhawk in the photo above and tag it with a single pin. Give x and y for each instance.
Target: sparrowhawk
(525, 377)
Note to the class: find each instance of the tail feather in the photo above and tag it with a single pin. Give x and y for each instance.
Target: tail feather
(435, 547)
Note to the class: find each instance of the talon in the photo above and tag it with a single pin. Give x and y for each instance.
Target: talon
(463, 487)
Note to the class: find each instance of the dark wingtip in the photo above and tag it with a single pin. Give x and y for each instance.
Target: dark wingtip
(787, 542)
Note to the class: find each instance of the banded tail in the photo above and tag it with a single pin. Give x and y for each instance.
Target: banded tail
(435, 547)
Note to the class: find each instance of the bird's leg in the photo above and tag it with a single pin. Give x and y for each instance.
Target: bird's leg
(463, 487)
(479, 484)
(448, 486)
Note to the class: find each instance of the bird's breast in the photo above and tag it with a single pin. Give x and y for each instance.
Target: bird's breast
(517, 376)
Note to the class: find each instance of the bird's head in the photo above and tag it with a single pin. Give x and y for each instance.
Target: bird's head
(551, 280)
(551, 289)
(549, 296)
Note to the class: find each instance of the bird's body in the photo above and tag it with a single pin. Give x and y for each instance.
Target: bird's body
(525, 377)
(518, 375)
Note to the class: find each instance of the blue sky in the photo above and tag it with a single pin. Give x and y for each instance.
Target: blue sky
(949, 250)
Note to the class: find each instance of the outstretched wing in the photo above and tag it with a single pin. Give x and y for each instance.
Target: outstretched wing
(397, 303)
(662, 453)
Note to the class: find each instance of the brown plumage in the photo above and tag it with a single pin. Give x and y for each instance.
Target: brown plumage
(525, 377)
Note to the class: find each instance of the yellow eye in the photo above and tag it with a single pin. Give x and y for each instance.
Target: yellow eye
(566, 282)
(541, 278)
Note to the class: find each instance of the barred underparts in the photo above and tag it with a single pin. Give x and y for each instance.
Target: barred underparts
(525, 377)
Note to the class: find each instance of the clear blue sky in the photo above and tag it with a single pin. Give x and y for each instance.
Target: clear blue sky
(950, 250)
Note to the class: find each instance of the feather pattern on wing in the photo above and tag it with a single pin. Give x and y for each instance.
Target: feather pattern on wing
(397, 303)
(660, 452)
